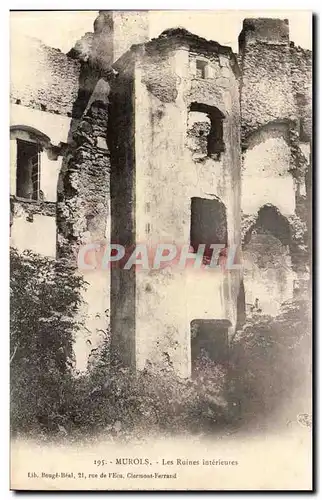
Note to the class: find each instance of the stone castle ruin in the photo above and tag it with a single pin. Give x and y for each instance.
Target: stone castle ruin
(171, 140)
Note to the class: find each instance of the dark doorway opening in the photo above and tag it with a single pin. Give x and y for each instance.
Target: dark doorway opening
(209, 342)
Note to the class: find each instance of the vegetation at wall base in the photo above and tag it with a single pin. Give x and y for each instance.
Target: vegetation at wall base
(268, 357)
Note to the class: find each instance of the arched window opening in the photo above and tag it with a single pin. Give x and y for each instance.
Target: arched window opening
(205, 132)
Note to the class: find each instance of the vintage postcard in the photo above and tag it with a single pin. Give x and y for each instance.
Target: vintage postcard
(160, 249)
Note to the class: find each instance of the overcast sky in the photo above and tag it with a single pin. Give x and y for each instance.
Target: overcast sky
(61, 29)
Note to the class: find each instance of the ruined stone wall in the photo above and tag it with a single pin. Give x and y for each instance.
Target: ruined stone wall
(42, 77)
(266, 85)
(84, 184)
(301, 78)
(44, 86)
(301, 61)
(276, 105)
(268, 274)
(66, 103)
(276, 127)
(64, 99)
(82, 218)
(266, 170)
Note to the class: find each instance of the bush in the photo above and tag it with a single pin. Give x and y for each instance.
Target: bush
(44, 299)
(128, 405)
(270, 359)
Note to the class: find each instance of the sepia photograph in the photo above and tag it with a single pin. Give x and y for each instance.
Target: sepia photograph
(161, 250)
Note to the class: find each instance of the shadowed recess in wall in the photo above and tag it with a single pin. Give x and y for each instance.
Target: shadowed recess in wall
(209, 340)
(205, 132)
(269, 219)
(208, 224)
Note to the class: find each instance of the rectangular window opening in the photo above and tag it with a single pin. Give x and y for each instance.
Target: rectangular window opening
(28, 170)
(208, 225)
(201, 68)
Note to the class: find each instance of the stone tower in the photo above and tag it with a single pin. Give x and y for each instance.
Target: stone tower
(119, 30)
(175, 178)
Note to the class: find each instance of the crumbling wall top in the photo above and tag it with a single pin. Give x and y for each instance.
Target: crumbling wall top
(267, 30)
(42, 77)
(175, 38)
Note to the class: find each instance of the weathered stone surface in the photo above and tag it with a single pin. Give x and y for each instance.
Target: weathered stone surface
(271, 31)
(42, 77)
(266, 92)
(83, 190)
(276, 114)
(83, 217)
(301, 77)
(276, 76)
(160, 78)
(34, 207)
